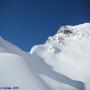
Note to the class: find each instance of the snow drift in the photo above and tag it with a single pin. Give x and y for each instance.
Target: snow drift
(62, 63)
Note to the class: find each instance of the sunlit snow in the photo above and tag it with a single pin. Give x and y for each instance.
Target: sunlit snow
(61, 63)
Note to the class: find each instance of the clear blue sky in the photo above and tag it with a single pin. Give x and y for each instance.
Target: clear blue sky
(26, 23)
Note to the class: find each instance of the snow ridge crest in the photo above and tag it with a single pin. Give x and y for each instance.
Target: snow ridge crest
(81, 31)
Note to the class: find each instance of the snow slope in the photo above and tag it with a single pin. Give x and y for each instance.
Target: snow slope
(14, 71)
(62, 63)
(68, 53)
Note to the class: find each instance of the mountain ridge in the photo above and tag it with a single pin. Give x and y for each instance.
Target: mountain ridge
(60, 63)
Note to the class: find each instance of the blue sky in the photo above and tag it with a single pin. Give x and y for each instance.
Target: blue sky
(26, 23)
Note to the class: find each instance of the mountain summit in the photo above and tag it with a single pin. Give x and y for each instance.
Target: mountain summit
(75, 32)
(68, 53)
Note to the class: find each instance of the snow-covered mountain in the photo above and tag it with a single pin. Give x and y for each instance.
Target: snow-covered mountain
(62, 63)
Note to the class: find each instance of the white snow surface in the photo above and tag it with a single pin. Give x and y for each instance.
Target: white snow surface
(62, 63)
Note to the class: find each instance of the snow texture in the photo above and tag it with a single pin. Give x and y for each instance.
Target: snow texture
(62, 63)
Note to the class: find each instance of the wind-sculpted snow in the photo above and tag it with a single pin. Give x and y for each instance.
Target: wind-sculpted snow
(62, 63)
(45, 69)
(68, 53)
(14, 71)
